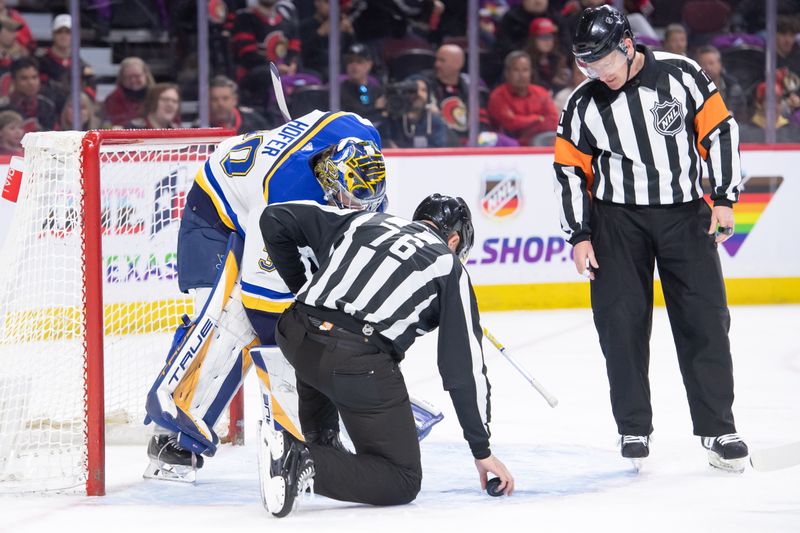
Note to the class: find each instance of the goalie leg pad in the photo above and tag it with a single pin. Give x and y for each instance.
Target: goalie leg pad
(190, 339)
(206, 365)
(207, 389)
(278, 390)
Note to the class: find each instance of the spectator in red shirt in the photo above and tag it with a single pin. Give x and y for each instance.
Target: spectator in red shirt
(24, 35)
(126, 102)
(519, 108)
(11, 132)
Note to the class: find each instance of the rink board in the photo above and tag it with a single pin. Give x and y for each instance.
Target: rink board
(521, 260)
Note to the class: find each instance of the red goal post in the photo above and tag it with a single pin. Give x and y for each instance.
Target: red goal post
(91, 156)
(90, 280)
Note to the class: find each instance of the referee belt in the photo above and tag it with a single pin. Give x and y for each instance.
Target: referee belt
(342, 325)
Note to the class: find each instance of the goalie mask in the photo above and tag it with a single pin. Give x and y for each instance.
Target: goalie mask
(352, 174)
(449, 215)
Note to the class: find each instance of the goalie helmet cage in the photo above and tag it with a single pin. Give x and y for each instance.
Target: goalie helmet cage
(89, 298)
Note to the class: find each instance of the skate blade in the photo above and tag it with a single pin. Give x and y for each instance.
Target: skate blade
(638, 464)
(264, 460)
(167, 472)
(728, 465)
(279, 502)
(307, 495)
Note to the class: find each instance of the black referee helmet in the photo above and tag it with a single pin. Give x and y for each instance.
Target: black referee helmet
(449, 215)
(600, 31)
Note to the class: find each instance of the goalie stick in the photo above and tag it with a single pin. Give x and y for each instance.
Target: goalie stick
(278, 88)
(552, 400)
(776, 458)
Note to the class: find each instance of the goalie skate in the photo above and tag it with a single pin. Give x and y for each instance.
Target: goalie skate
(169, 462)
(291, 470)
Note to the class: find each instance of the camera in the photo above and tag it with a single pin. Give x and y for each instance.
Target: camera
(400, 97)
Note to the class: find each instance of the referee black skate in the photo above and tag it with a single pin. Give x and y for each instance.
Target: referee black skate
(382, 282)
(628, 167)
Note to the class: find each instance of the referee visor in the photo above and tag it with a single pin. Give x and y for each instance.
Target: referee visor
(609, 64)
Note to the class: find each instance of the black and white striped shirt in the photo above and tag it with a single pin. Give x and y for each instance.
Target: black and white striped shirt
(646, 144)
(398, 280)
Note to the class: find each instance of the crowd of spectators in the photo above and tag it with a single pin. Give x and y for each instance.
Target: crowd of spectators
(403, 65)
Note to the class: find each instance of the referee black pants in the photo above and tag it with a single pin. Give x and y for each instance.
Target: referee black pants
(368, 390)
(628, 241)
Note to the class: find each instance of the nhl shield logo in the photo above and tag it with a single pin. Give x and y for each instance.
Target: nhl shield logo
(500, 195)
(668, 117)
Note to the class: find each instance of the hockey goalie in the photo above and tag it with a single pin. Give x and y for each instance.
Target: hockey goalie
(328, 158)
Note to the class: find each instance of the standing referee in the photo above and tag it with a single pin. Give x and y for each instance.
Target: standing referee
(382, 282)
(633, 141)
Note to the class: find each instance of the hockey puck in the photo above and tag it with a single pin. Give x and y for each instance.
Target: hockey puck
(492, 487)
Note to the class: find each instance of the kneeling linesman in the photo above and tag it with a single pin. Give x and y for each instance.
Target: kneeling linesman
(382, 282)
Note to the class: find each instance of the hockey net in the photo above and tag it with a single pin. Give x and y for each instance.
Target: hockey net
(89, 299)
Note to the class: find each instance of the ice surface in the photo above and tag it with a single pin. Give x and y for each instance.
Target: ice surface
(565, 460)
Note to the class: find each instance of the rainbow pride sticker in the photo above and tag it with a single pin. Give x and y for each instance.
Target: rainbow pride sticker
(757, 192)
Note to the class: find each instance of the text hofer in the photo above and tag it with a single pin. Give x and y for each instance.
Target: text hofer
(289, 132)
(522, 250)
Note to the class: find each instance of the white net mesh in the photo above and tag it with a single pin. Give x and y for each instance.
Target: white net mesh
(42, 355)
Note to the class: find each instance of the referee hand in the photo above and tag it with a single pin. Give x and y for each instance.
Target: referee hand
(721, 216)
(585, 261)
(493, 465)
